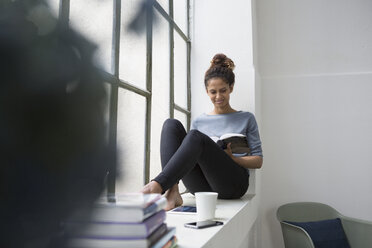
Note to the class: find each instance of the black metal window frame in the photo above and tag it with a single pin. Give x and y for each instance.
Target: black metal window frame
(116, 83)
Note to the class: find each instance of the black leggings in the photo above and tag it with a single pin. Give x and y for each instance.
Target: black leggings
(199, 162)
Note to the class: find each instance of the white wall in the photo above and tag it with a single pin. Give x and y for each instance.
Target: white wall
(315, 63)
(225, 27)
(222, 28)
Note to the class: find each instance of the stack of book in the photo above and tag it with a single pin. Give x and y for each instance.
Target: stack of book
(128, 220)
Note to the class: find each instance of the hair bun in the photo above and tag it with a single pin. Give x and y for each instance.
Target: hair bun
(221, 60)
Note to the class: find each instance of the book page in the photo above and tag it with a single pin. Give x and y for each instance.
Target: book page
(228, 135)
(135, 199)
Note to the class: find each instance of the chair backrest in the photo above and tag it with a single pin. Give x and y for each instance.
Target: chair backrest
(295, 237)
(306, 211)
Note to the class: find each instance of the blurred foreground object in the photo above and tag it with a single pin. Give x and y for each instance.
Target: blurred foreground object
(54, 153)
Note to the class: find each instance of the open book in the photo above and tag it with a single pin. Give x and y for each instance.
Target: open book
(239, 144)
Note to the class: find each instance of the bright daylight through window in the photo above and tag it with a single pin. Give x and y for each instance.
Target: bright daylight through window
(147, 76)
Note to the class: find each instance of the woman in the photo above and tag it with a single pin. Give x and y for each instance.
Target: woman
(195, 158)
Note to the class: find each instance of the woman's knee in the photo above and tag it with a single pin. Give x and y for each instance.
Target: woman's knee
(195, 136)
(194, 132)
(173, 124)
(170, 123)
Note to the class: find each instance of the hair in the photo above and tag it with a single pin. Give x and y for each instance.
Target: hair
(221, 67)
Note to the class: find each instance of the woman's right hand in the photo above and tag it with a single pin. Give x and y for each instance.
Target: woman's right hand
(229, 151)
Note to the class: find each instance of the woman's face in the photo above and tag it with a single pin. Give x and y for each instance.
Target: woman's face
(219, 92)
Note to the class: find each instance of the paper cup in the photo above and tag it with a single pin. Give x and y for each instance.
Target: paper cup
(205, 205)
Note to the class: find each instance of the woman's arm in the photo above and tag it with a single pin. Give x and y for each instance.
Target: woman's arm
(249, 162)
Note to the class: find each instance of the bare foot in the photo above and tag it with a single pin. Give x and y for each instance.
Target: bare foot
(152, 187)
(174, 198)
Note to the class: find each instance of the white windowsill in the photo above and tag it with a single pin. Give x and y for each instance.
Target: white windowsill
(238, 217)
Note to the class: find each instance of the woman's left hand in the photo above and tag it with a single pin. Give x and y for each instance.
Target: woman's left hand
(249, 162)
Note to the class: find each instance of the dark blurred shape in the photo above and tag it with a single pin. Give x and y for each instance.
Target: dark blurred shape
(144, 16)
(53, 153)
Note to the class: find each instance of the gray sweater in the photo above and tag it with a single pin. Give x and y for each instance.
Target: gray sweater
(236, 122)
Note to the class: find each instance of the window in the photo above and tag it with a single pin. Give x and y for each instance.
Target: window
(147, 76)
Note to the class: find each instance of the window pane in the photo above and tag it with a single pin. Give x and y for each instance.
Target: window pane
(132, 64)
(181, 117)
(94, 20)
(180, 71)
(180, 14)
(160, 89)
(130, 140)
(107, 110)
(54, 7)
(164, 4)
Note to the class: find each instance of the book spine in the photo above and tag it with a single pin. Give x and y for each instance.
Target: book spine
(116, 229)
(155, 207)
(96, 242)
(171, 243)
(133, 200)
(163, 240)
(154, 221)
(115, 213)
(158, 233)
